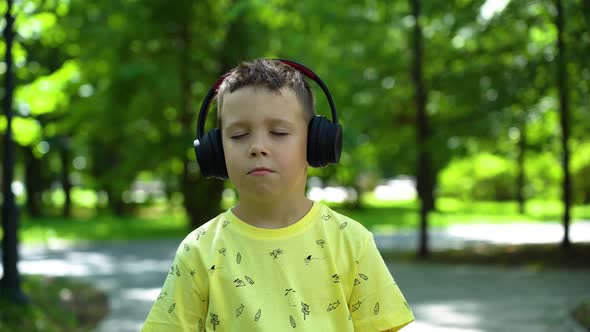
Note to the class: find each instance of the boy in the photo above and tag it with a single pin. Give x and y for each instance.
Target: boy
(276, 261)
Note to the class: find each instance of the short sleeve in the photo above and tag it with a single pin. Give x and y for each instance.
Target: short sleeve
(376, 302)
(182, 303)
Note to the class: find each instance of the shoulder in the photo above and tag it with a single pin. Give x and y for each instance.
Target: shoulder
(203, 238)
(344, 228)
(343, 221)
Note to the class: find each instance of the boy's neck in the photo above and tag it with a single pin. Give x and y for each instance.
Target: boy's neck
(272, 214)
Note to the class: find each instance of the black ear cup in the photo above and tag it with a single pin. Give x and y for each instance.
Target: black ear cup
(324, 142)
(209, 152)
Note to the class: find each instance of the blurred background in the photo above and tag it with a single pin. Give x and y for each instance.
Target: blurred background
(455, 114)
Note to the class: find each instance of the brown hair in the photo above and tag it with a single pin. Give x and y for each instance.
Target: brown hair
(272, 75)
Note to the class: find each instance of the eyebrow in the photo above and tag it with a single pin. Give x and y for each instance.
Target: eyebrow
(271, 121)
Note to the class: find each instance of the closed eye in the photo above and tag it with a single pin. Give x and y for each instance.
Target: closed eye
(278, 133)
(237, 136)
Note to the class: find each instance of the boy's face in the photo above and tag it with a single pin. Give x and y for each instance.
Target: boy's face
(264, 137)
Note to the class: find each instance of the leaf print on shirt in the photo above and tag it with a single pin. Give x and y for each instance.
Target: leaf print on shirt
(305, 309)
(239, 282)
(292, 321)
(193, 272)
(215, 321)
(200, 325)
(225, 223)
(222, 251)
(186, 247)
(172, 308)
(356, 306)
(162, 295)
(320, 242)
(343, 225)
(239, 310)
(326, 217)
(333, 306)
(250, 281)
(258, 314)
(376, 309)
(238, 258)
(356, 281)
(276, 253)
(363, 276)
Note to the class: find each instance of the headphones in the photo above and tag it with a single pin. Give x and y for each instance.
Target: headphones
(324, 137)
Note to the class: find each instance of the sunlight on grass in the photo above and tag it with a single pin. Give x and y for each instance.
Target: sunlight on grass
(388, 216)
(103, 228)
(161, 221)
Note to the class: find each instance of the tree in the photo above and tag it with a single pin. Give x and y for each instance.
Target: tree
(424, 178)
(11, 283)
(562, 84)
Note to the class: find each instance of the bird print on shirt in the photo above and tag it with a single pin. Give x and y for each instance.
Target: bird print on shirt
(333, 306)
(356, 306)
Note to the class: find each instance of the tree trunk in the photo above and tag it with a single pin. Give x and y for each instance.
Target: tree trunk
(10, 286)
(202, 197)
(33, 182)
(564, 117)
(520, 180)
(64, 156)
(424, 176)
(116, 204)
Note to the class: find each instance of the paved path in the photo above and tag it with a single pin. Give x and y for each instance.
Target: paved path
(445, 298)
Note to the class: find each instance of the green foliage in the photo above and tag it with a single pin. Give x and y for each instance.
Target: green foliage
(581, 172)
(543, 176)
(57, 304)
(482, 177)
(582, 314)
(126, 98)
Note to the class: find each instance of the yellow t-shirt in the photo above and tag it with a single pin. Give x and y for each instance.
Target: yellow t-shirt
(322, 273)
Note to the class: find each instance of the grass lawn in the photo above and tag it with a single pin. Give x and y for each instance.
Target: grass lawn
(159, 222)
(380, 215)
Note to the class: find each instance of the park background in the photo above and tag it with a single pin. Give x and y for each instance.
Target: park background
(454, 113)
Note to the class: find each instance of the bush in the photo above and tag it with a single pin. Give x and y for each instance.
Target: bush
(483, 177)
(56, 304)
(581, 172)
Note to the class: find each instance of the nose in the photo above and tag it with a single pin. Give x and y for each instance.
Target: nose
(258, 148)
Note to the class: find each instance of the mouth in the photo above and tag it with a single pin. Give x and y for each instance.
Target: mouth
(260, 171)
